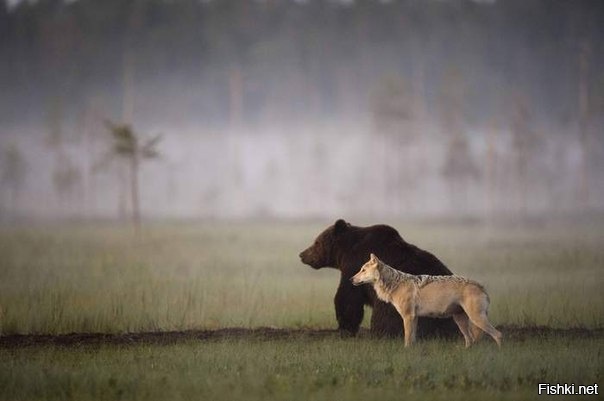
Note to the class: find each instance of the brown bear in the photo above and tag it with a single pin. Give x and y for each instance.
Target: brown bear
(346, 248)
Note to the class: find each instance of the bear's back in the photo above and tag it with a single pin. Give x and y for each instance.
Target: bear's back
(386, 243)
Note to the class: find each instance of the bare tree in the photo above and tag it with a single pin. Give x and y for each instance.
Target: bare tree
(90, 133)
(584, 116)
(459, 168)
(393, 120)
(525, 142)
(127, 144)
(13, 170)
(65, 176)
(491, 167)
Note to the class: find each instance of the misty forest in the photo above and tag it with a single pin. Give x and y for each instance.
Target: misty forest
(300, 109)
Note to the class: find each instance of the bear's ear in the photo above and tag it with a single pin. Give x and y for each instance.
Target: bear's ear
(372, 257)
(340, 226)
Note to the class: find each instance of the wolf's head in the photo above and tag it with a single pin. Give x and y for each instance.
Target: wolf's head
(369, 273)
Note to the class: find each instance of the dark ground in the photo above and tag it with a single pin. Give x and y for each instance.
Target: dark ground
(513, 333)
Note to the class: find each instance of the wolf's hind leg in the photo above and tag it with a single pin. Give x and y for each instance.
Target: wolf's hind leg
(475, 331)
(462, 321)
(476, 305)
(482, 322)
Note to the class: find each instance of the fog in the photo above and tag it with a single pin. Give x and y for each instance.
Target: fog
(301, 109)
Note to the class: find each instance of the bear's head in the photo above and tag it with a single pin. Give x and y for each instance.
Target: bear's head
(322, 252)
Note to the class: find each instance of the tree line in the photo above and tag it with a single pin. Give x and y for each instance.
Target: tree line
(525, 78)
(249, 61)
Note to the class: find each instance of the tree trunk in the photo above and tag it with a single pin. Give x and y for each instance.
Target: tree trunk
(584, 56)
(490, 173)
(127, 117)
(136, 219)
(235, 95)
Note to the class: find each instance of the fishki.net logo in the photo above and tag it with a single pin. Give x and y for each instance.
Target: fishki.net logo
(567, 389)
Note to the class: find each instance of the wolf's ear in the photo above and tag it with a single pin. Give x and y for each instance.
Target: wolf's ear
(340, 226)
(375, 260)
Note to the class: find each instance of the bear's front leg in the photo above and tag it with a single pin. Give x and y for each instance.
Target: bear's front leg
(349, 302)
(385, 320)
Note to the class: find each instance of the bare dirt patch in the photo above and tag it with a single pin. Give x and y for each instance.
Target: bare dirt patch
(515, 333)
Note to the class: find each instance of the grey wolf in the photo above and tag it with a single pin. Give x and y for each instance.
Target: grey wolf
(435, 296)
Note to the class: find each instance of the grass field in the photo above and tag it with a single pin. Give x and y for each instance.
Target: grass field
(63, 279)
(299, 369)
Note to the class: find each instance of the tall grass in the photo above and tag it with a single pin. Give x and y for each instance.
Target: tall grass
(59, 279)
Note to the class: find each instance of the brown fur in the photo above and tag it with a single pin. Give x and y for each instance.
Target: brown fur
(346, 247)
(466, 301)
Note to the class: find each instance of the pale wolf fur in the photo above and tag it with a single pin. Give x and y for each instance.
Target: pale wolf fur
(435, 296)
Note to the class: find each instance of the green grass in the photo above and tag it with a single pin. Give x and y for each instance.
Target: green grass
(62, 279)
(300, 369)
(101, 279)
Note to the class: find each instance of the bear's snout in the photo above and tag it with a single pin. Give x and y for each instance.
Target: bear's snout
(308, 258)
(304, 256)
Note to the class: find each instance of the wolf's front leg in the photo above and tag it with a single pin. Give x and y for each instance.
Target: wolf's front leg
(410, 322)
